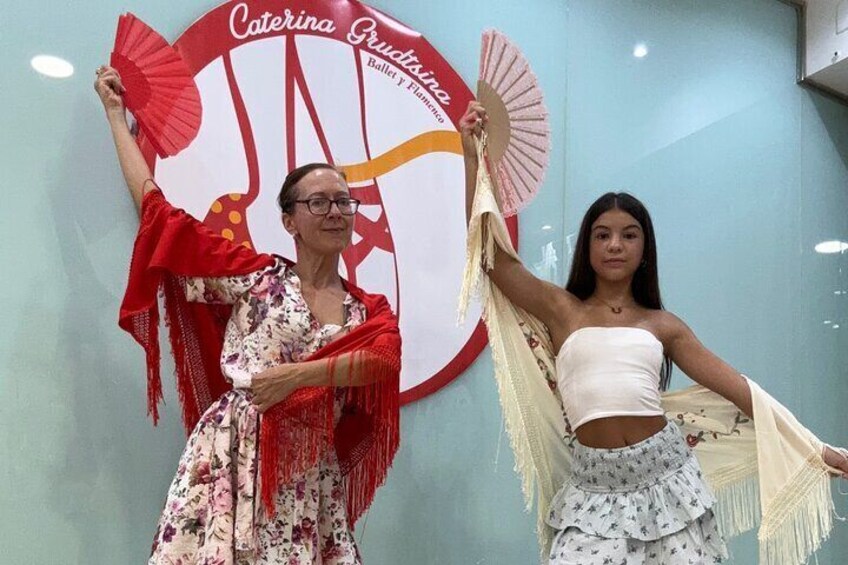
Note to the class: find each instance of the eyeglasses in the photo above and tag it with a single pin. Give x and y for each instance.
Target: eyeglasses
(321, 206)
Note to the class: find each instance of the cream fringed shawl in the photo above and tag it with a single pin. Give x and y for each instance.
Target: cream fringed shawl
(772, 473)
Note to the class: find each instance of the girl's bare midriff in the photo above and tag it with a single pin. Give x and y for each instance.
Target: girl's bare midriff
(619, 431)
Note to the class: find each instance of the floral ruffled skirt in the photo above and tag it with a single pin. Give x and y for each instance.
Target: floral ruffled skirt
(642, 504)
(213, 516)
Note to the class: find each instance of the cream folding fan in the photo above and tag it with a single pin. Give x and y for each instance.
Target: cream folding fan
(517, 132)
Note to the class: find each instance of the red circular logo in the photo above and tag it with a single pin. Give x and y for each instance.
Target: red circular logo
(284, 83)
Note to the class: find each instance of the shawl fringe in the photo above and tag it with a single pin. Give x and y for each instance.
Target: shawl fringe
(737, 498)
(532, 410)
(170, 246)
(800, 518)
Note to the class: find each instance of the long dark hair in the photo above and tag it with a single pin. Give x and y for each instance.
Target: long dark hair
(645, 285)
(288, 194)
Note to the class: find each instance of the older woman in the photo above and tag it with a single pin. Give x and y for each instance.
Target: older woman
(296, 335)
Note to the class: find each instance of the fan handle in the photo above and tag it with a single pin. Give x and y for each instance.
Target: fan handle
(497, 126)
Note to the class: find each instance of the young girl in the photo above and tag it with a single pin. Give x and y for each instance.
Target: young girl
(636, 493)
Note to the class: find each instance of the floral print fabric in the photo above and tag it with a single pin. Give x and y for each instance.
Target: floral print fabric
(212, 514)
(645, 503)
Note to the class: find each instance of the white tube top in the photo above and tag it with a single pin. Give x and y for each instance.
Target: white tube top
(604, 372)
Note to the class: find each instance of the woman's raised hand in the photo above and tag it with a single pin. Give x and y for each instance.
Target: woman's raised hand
(133, 164)
(837, 458)
(470, 126)
(108, 86)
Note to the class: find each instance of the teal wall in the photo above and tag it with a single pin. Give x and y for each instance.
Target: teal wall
(743, 171)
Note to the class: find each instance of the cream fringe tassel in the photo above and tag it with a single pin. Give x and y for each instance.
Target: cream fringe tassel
(800, 518)
(737, 492)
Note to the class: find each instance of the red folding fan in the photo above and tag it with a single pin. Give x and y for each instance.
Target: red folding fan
(517, 132)
(160, 89)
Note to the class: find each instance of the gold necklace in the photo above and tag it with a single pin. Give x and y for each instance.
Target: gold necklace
(614, 309)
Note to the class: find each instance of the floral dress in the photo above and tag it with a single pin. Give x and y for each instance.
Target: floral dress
(213, 515)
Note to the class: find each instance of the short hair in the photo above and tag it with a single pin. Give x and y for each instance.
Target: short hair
(288, 192)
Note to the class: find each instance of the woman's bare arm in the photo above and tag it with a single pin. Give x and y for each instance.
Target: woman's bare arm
(548, 302)
(704, 366)
(276, 384)
(708, 370)
(137, 174)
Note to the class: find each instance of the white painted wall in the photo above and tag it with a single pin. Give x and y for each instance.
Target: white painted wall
(827, 34)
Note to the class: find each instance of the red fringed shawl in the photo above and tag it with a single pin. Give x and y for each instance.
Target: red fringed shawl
(172, 245)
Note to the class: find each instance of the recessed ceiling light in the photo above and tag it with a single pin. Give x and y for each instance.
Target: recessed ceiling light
(832, 246)
(51, 66)
(640, 50)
